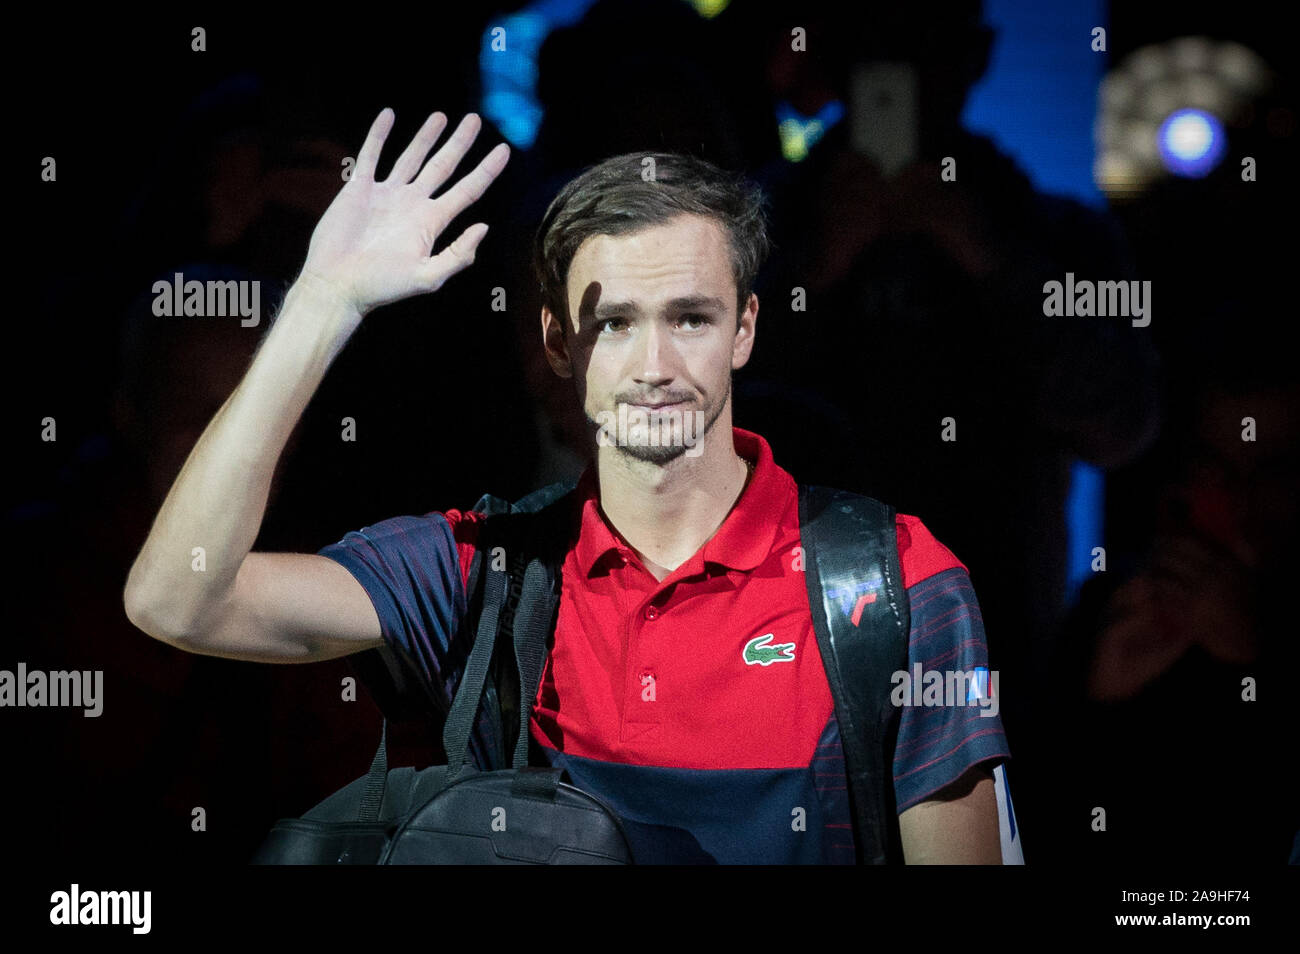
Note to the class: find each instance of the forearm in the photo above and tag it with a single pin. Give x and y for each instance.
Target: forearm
(958, 826)
(218, 500)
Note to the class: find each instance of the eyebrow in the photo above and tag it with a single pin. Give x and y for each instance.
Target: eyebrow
(611, 309)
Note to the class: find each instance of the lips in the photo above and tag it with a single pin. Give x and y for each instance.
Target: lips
(655, 407)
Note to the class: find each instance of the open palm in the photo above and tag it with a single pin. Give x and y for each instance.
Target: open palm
(374, 243)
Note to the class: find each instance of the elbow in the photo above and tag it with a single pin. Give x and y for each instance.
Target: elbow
(146, 616)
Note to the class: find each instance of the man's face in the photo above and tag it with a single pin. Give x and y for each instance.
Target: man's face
(653, 322)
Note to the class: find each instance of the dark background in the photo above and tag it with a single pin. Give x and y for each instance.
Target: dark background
(924, 301)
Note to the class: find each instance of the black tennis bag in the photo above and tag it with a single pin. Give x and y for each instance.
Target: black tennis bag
(455, 813)
(459, 814)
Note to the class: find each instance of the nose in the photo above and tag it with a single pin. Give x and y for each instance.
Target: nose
(654, 356)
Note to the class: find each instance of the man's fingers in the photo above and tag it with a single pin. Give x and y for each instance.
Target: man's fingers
(409, 161)
(368, 158)
(471, 188)
(443, 162)
(456, 256)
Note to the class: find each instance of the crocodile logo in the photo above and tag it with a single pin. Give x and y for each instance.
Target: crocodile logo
(759, 652)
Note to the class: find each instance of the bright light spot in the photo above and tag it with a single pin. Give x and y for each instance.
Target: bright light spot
(709, 8)
(800, 133)
(1189, 135)
(1191, 142)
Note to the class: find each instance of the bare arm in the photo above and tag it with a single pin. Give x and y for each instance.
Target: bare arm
(219, 499)
(370, 248)
(959, 826)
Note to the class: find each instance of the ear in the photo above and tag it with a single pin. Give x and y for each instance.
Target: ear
(555, 343)
(748, 327)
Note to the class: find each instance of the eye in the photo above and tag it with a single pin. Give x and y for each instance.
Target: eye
(601, 325)
(701, 319)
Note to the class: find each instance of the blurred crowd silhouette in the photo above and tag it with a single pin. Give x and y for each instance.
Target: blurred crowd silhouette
(924, 301)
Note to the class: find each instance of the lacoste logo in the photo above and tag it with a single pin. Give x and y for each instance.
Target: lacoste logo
(759, 652)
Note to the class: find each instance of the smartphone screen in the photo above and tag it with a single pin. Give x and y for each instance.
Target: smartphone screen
(883, 114)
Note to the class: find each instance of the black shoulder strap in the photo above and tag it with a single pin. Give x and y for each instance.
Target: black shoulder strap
(861, 617)
(394, 679)
(533, 530)
(534, 605)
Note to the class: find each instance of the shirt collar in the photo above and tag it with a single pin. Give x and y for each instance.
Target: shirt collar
(742, 542)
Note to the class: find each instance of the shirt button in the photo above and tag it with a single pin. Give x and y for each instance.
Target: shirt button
(651, 612)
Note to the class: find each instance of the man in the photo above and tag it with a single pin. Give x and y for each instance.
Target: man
(684, 684)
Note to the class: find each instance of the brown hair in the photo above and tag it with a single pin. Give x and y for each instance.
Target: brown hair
(612, 198)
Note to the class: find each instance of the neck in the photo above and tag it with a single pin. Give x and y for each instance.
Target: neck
(666, 512)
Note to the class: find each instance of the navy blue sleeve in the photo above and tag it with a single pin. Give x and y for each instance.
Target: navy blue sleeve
(411, 569)
(949, 722)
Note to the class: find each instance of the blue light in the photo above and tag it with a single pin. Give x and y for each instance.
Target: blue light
(1191, 142)
(799, 133)
(509, 75)
(1085, 524)
(1037, 103)
(1038, 99)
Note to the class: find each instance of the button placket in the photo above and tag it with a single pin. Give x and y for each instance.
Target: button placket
(642, 706)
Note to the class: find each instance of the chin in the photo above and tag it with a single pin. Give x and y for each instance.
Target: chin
(653, 455)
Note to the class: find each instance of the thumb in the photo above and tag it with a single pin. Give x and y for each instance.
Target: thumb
(455, 257)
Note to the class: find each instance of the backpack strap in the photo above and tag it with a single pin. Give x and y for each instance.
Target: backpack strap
(861, 617)
(394, 679)
(533, 536)
(528, 586)
(469, 691)
(540, 527)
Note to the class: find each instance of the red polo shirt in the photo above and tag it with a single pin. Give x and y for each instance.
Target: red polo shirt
(652, 673)
(649, 698)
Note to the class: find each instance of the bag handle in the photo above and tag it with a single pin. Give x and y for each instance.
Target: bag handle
(548, 532)
(532, 625)
(372, 799)
(464, 706)
(536, 540)
(538, 589)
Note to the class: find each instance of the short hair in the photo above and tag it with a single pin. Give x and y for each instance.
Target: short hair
(613, 198)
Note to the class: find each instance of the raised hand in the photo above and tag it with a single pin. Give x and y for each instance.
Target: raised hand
(374, 243)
